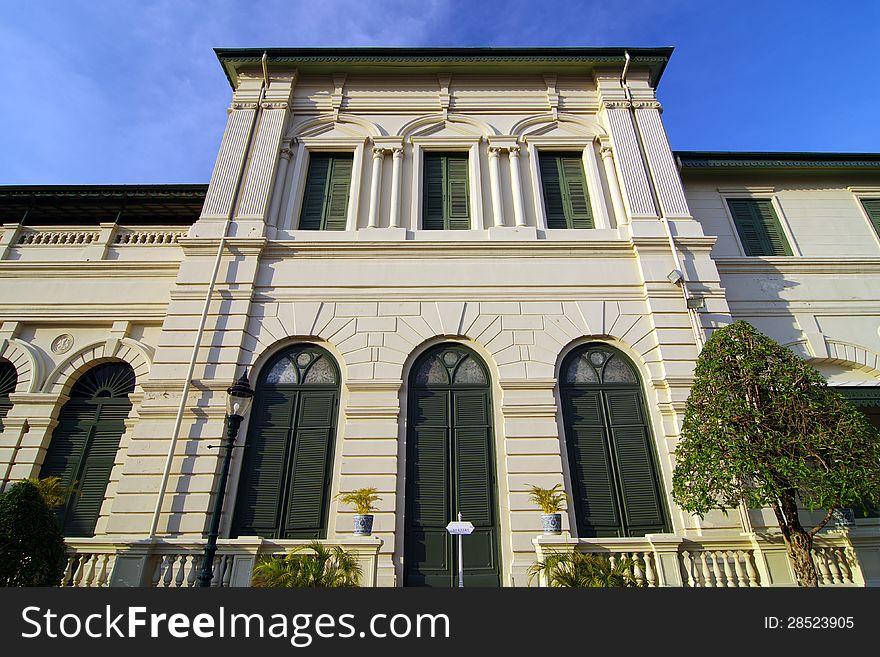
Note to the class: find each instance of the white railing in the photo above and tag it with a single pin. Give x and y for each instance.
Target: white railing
(835, 565)
(643, 567)
(57, 237)
(88, 564)
(719, 568)
(148, 237)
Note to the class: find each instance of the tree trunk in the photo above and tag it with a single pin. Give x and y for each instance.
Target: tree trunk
(798, 542)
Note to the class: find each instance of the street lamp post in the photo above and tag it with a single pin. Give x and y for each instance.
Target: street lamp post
(238, 402)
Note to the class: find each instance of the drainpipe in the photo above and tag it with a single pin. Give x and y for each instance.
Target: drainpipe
(202, 320)
(679, 268)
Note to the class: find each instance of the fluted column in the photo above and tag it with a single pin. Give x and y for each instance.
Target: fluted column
(495, 185)
(519, 214)
(280, 188)
(396, 172)
(613, 185)
(376, 186)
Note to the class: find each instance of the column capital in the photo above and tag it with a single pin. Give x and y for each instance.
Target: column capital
(397, 153)
(616, 104)
(513, 151)
(495, 151)
(275, 104)
(286, 153)
(648, 104)
(243, 105)
(379, 152)
(606, 152)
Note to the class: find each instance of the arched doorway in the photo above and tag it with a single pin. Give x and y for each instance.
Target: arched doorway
(284, 488)
(84, 444)
(615, 487)
(450, 469)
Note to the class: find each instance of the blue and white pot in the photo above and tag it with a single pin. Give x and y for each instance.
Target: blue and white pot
(363, 524)
(552, 523)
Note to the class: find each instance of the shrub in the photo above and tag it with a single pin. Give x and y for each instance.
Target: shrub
(31, 544)
(323, 568)
(585, 570)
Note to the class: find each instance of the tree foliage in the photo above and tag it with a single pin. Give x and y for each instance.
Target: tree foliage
(321, 568)
(762, 427)
(31, 545)
(585, 570)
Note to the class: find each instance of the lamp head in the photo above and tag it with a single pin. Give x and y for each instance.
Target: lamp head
(239, 397)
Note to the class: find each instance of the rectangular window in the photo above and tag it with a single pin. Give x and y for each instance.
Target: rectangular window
(566, 199)
(446, 199)
(325, 202)
(758, 226)
(872, 207)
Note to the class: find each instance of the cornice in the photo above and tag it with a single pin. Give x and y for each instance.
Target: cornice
(448, 250)
(237, 245)
(798, 265)
(105, 269)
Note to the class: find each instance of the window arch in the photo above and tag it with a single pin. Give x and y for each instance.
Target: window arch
(85, 441)
(284, 489)
(8, 381)
(611, 459)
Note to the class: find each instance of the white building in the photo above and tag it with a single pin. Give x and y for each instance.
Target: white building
(450, 273)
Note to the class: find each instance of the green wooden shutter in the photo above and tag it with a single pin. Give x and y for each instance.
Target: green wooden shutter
(336, 213)
(8, 381)
(566, 199)
(309, 484)
(872, 207)
(759, 228)
(434, 193)
(264, 466)
(446, 194)
(316, 190)
(595, 501)
(639, 488)
(82, 452)
(457, 192)
(428, 545)
(325, 200)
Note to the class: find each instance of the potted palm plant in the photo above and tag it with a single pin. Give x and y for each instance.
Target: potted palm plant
(550, 500)
(321, 567)
(362, 500)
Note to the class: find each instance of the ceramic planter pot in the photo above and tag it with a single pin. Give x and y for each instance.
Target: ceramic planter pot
(363, 524)
(552, 523)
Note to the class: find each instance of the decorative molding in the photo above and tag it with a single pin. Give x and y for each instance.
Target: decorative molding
(746, 190)
(616, 104)
(62, 344)
(527, 384)
(647, 104)
(275, 104)
(238, 105)
(798, 265)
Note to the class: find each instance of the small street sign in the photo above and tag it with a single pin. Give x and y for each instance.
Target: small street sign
(459, 528)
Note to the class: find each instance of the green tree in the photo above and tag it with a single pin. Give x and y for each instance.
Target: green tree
(584, 570)
(31, 544)
(323, 567)
(761, 427)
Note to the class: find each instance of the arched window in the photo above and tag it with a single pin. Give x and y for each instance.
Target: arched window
(85, 442)
(450, 469)
(614, 479)
(8, 381)
(284, 489)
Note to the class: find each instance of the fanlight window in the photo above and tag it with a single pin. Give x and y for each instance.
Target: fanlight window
(8, 381)
(599, 366)
(450, 366)
(303, 367)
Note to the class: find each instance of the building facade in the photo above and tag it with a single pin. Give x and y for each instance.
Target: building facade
(450, 275)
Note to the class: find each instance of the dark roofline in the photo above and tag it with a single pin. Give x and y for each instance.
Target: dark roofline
(86, 191)
(775, 160)
(450, 58)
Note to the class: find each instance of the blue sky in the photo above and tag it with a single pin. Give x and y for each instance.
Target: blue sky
(131, 92)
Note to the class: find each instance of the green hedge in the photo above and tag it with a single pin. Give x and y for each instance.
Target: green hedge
(31, 544)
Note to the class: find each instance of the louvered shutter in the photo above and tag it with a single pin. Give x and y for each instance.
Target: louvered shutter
(434, 193)
(446, 192)
(595, 503)
(336, 205)
(759, 228)
(312, 214)
(580, 215)
(82, 452)
(566, 199)
(428, 546)
(457, 192)
(265, 464)
(554, 204)
(639, 488)
(872, 207)
(309, 486)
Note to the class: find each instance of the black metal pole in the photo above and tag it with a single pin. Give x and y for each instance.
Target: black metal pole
(207, 574)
